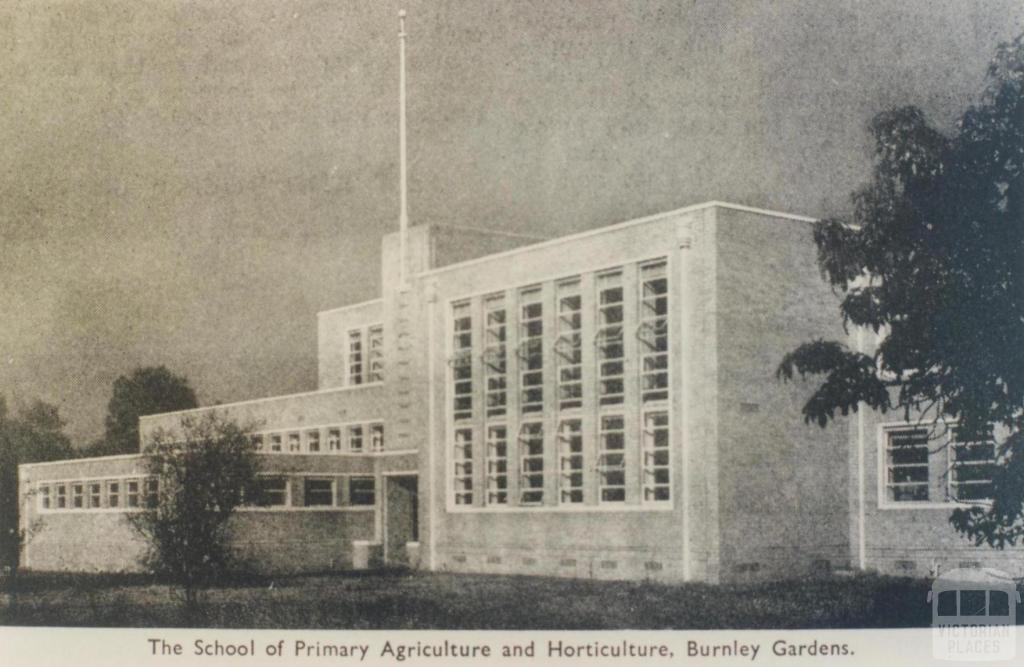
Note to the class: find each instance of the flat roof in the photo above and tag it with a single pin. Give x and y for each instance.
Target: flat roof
(616, 227)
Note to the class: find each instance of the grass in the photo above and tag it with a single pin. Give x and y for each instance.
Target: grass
(401, 600)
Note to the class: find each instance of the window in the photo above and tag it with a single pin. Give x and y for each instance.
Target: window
(152, 492)
(95, 495)
(657, 472)
(44, 497)
(273, 491)
(355, 438)
(971, 469)
(495, 356)
(355, 357)
(531, 351)
(462, 362)
(257, 442)
(275, 442)
(907, 477)
(375, 353)
(62, 496)
(609, 340)
(463, 459)
(77, 496)
(313, 441)
(318, 492)
(376, 437)
(334, 440)
(361, 491)
(569, 345)
(531, 463)
(570, 461)
(113, 494)
(497, 465)
(653, 332)
(294, 442)
(132, 497)
(611, 459)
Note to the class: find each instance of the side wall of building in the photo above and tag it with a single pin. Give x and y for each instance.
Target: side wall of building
(334, 330)
(316, 410)
(783, 484)
(633, 538)
(292, 538)
(915, 537)
(78, 540)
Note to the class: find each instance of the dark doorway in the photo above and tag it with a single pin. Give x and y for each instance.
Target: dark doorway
(401, 517)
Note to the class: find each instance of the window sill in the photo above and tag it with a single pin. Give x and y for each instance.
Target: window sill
(566, 509)
(928, 505)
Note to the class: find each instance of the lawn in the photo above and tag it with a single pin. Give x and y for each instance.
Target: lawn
(465, 601)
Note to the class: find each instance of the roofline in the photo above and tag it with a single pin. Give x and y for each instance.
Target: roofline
(349, 307)
(265, 399)
(88, 459)
(483, 230)
(616, 227)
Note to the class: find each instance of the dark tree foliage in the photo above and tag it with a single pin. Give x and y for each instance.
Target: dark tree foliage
(204, 473)
(35, 434)
(146, 391)
(933, 257)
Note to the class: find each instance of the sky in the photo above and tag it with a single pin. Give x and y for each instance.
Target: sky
(188, 183)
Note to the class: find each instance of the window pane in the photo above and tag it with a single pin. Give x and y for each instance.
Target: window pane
(318, 492)
(531, 351)
(998, 603)
(908, 476)
(361, 491)
(653, 331)
(375, 343)
(947, 603)
(462, 457)
(531, 463)
(355, 357)
(461, 363)
(497, 465)
(273, 491)
(972, 603)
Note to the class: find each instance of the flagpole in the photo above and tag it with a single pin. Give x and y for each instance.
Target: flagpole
(403, 216)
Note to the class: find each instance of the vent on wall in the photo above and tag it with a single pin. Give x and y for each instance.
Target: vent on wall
(906, 565)
(653, 566)
(747, 568)
(459, 559)
(567, 562)
(821, 566)
(750, 408)
(608, 565)
(529, 560)
(494, 559)
(969, 564)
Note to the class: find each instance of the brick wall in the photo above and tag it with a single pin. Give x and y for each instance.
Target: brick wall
(783, 485)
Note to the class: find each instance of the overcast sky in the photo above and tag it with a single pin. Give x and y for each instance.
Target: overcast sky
(188, 183)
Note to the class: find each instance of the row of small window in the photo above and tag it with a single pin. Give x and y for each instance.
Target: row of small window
(365, 359)
(98, 494)
(352, 438)
(920, 468)
(274, 491)
(612, 457)
(646, 313)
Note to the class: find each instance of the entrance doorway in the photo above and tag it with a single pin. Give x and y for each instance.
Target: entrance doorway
(401, 517)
